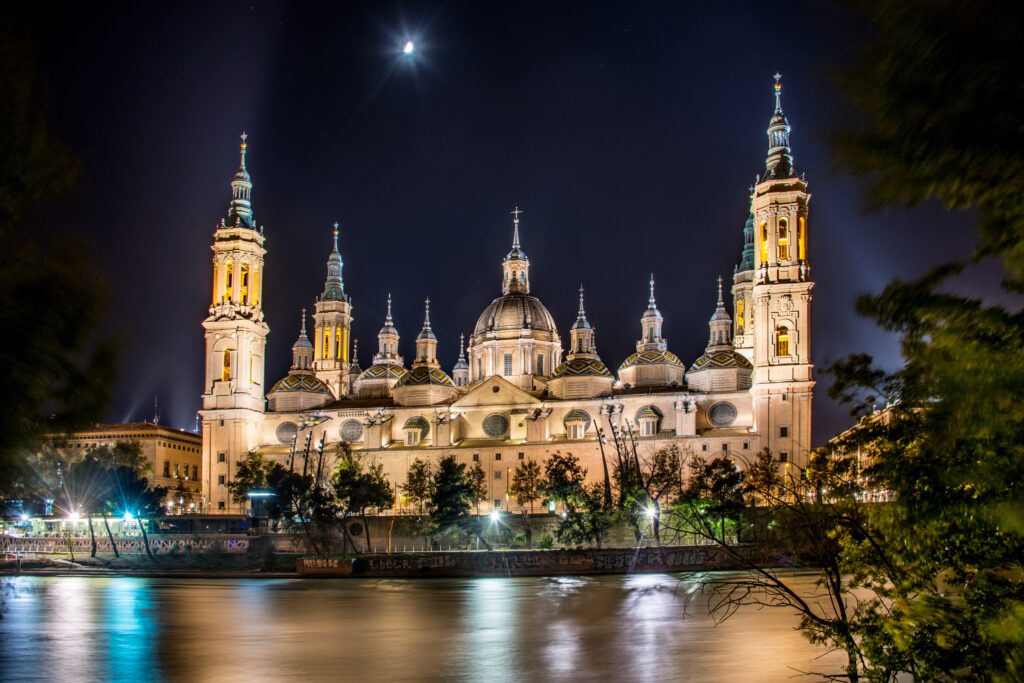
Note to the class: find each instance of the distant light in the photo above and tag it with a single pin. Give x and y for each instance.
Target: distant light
(128, 516)
(409, 47)
(260, 494)
(495, 515)
(74, 517)
(564, 514)
(649, 512)
(24, 517)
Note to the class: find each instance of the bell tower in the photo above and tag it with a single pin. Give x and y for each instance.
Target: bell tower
(781, 294)
(236, 336)
(333, 319)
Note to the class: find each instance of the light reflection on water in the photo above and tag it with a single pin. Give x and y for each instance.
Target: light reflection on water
(526, 629)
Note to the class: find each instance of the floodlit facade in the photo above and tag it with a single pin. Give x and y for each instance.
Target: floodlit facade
(516, 392)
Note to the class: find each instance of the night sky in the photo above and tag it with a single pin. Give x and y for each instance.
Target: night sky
(627, 132)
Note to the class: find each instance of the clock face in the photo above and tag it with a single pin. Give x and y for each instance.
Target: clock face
(722, 414)
(496, 425)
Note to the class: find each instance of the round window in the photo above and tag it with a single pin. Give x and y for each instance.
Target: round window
(351, 431)
(286, 432)
(722, 414)
(495, 425)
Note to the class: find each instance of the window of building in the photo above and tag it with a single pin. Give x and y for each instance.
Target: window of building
(576, 429)
(782, 341)
(497, 474)
(176, 475)
(739, 314)
(327, 343)
(220, 504)
(725, 446)
(222, 457)
(783, 456)
(167, 469)
(497, 504)
(703, 446)
(540, 363)
(243, 295)
(225, 374)
(412, 437)
(497, 456)
(783, 431)
(783, 239)
(476, 457)
(801, 239)
(746, 445)
(220, 479)
(195, 472)
(227, 281)
(508, 364)
(338, 345)
(522, 455)
(764, 242)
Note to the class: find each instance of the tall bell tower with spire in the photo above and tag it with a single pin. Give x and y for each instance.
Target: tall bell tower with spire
(236, 336)
(781, 294)
(333, 324)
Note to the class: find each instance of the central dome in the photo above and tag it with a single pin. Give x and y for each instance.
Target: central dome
(515, 312)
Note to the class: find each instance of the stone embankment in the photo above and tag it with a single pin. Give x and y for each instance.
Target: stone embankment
(649, 560)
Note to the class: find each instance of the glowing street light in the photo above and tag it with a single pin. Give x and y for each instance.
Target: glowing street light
(650, 512)
(409, 47)
(495, 515)
(128, 516)
(74, 517)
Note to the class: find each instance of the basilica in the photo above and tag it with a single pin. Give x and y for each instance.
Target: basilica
(516, 392)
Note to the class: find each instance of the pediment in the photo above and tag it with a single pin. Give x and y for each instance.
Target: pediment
(495, 391)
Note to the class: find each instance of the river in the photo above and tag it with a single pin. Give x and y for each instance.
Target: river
(611, 628)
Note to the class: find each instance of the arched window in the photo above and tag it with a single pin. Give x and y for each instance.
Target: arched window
(243, 295)
(225, 374)
(801, 239)
(764, 242)
(522, 277)
(327, 343)
(739, 314)
(782, 341)
(783, 239)
(228, 273)
(255, 286)
(338, 346)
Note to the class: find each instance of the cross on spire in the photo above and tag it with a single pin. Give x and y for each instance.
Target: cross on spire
(515, 222)
(335, 235)
(778, 91)
(243, 136)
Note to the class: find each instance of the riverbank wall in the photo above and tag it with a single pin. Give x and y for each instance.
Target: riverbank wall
(648, 560)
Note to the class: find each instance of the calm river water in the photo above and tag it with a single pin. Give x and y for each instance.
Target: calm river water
(611, 628)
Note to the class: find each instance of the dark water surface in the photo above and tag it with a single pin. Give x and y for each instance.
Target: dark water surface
(611, 628)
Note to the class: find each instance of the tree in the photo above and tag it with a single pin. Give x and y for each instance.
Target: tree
(586, 517)
(62, 380)
(716, 489)
(136, 499)
(417, 482)
(525, 487)
(358, 489)
(950, 448)
(250, 475)
(450, 496)
(86, 487)
(477, 480)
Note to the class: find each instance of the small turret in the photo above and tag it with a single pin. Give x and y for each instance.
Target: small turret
(720, 338)
(240, 210)
(426, 343)
(334, 288)
(460, 372)
(650, 325)
(387, 341)
(516, 267)
(779, 163)
(302, 350)
(581, 337)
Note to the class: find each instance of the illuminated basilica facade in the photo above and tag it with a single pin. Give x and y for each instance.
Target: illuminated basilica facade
(515, 393)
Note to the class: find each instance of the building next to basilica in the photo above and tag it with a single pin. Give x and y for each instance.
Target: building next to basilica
(515, 392)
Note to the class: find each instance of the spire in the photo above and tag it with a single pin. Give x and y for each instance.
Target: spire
(302, 351)
(462, 348)
(240, 211)
(650, 326)
(581, 317)
(426, 332)
(387, 341)
(779, 163)
(652, 307)
(353, 368)
(720, 338)
(516, 267)
(303, 340)
(747, 255)
(389, 325)
(334, 288)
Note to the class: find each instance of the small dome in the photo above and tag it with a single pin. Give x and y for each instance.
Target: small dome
(308, 383)
(242, 174)
(581, 368)
(720, 360)
(652, 358)
(384, 371)
(302, 343)
(515, 312)
(423, 376)
(516, 254)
